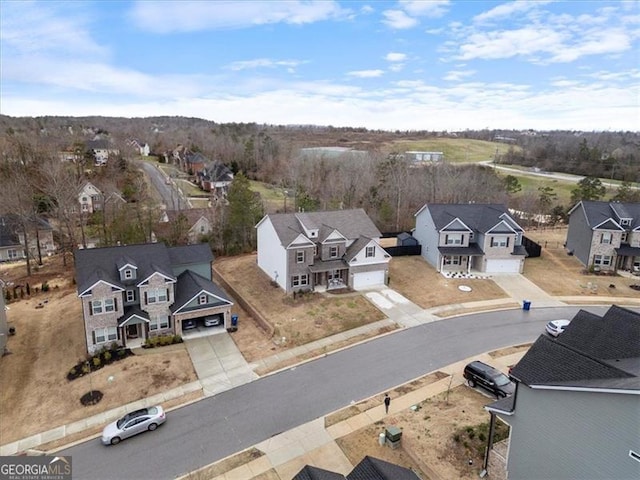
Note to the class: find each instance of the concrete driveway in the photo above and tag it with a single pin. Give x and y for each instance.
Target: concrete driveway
(218, 363)
(519, 288)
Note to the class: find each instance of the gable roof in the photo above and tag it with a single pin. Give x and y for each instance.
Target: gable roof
(216, 171)
(478, 217)
(593, 352)
(350, 223)
(190, 284)
(597, 213)
(371, 468)
(314, 473)
(191, 214)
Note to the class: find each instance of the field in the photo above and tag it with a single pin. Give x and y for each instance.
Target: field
(456, 150)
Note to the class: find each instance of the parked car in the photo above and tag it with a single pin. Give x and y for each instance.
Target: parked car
(132, 424)
(213, 321)
(189, 324)
(556, 327)
(489, 378)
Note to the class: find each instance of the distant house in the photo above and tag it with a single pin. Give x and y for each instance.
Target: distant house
(134, 292)
(470, 237)
(100, 149)
(92, 199)
(369, 468)
(193, 162)
(576, 409)
(142, 148)
(193, 223)
(216, 178)
(605, 235)
(12, 244)
(312, 250)
(423, 157)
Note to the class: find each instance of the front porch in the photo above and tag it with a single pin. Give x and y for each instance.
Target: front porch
(330, 275)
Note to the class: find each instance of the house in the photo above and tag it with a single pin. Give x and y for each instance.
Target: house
(141, 148)
(90, 198)
(605, 236)
(191, 225)
(100, 149)
(369, 468)
(312, 250)
(215, 177)
(470, 237)
(192, 163)
(12, 244)
(576, 409)
(130, 293)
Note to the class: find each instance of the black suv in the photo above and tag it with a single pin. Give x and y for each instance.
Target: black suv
(489, 378)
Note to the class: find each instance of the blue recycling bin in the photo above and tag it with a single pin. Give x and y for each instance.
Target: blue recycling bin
(526, 305)
(234, 321)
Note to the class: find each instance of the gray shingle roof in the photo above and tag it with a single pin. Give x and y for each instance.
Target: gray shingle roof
(593, 351)
(599, 212)
(355, 248)
(190, 254)
(371, 468)
(350, 223)
(479, 217)
(191, 284)
(315, 473)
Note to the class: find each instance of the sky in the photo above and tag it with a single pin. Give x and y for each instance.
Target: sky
(407, 65)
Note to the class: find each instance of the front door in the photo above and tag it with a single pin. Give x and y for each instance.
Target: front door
(133, 331)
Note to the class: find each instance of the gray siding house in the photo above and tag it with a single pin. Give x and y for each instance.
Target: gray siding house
(576, 410)
(134, 292)
(470, 237)
(605, 236)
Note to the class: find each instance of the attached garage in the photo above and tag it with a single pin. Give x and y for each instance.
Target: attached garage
(368, 279)
(503, 266)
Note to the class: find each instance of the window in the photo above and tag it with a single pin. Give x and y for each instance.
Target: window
(625, 237)
(110, 305)
(159, 323)
(128, 274)
(12, 253)
(202, 299)
(299, 280)
(96, 307)
(315, 250)
(202, 228)
(300, 256)
(85, 207)
(370, 252)
(157, 295)
(602, 260)
(625, 222)
(499, 241)
(108, 334)
(131, 296)
(333, 252)
(85, 199)
(453, 260)
(453, 239)
(606, 237)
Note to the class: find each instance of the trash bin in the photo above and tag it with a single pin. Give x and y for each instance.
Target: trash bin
(234, 323)
(382, 438)
(526, 305)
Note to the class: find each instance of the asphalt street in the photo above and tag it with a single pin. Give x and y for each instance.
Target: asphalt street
(170, 194)
(216, 427)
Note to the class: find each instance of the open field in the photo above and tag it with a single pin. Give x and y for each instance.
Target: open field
(456, 150)
(273, 198)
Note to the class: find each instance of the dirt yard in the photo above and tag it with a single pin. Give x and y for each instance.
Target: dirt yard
(35, 394)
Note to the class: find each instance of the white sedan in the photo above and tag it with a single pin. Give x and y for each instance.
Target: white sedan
(556, 327)
(132, 424)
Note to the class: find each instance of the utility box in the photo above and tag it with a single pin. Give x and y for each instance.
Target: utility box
(393, 436)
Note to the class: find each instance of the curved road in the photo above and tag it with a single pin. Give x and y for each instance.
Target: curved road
(216, 427)
(171, 195)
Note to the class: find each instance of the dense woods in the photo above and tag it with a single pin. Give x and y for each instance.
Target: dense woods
(36, 181)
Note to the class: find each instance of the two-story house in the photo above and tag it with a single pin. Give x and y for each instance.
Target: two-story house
(312, 250)
(133, 292)
(12, 243)
(90, 198)
(470, 237)
(605, 235)
(575, 412)
(216, 178)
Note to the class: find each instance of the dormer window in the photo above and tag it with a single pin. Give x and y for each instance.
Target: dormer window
(202, 299)
(625, 222)
(333, 252)
(128, 274)
(370, 252)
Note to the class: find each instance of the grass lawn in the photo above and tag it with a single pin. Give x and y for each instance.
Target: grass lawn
(273, 197)
(455, 149)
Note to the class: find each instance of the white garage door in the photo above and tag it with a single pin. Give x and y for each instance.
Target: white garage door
(368, 279)
(503, 266)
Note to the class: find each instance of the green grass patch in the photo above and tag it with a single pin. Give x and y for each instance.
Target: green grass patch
(455, 149)
(273, 197)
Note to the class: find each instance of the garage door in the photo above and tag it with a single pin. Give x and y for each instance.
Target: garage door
(503, 266)
(368, 279)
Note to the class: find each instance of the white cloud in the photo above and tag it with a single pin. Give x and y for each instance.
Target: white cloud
(395, 57)
(422, 8)
(366, 73)
(188, 16)
(367, 9)
(508, 9)
(398, 19)
(596, 42)
(457, 75)
(263, 63)
(511, 43)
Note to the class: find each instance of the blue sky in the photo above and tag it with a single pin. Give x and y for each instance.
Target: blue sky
(407, 65)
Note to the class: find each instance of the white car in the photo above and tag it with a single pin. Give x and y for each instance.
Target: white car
(556, 327)
(132, 424)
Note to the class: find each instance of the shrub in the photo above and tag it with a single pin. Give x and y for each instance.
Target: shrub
(97, 363)
(85, 368)
(45, 287)
(107, 356)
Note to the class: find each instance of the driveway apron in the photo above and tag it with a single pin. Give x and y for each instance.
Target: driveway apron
(520, 288)
(218, 363)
